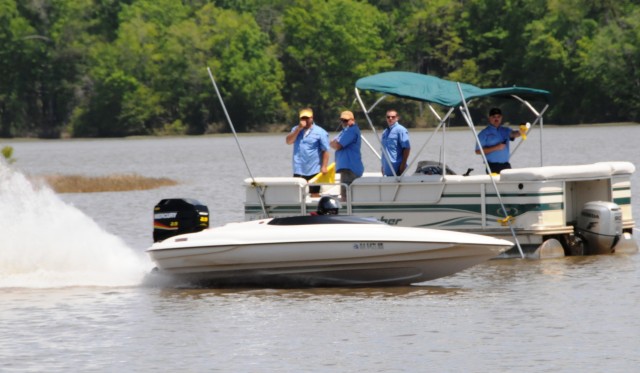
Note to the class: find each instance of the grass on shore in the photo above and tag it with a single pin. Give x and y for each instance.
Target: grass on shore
(111, 183)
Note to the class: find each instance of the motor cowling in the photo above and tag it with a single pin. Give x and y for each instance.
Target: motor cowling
(432, 168)
(600, 226)
(176, 216)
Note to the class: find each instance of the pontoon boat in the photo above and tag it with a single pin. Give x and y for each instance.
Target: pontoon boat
(546, 211)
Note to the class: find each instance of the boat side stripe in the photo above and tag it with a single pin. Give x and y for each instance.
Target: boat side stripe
(493, 209)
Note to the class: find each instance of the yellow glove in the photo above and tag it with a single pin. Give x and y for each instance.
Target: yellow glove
(524, 128)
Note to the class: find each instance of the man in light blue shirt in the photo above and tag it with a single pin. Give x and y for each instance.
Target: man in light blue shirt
(396, 145)
(310, 148)
(347, 145)
(495, 141)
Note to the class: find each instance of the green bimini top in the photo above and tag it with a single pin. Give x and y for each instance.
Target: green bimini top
(443, 92)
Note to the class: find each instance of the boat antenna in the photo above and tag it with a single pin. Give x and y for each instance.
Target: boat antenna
(235, 135)
(464, 109)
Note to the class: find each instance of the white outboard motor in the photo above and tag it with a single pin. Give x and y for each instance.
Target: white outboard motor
(600, 225)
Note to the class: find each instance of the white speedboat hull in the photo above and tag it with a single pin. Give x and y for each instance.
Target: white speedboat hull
(333, 254)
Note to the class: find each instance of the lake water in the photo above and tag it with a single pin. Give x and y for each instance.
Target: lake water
(73, 295)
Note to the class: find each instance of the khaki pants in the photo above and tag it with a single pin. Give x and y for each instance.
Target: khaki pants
(346, 177)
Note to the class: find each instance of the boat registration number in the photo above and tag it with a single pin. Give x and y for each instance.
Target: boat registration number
(368, 246)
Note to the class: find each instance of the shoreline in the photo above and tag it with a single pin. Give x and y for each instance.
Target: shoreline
(4, 140)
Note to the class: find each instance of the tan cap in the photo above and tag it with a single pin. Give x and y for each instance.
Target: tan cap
(346, 115)
(306, 113)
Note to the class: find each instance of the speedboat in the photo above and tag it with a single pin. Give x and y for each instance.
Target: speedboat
(546, 211)
(321, 250)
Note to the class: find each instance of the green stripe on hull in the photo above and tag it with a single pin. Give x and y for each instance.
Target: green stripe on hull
(489, 195)
(455, 222)
(491, 209)
(503, 195)
(622, 201)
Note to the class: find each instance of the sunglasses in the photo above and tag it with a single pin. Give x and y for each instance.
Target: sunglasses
(305, 118)
(344, 120)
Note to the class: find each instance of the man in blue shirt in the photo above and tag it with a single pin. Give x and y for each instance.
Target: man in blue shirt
(310, 148)
(495, 142)
(395, 144)
(347, 145)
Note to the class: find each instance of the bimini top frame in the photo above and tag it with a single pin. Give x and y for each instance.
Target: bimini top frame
(433, 90)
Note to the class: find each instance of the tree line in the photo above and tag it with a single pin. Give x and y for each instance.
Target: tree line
(97, 68)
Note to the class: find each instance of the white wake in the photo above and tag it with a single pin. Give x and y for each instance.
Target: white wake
(45, 242)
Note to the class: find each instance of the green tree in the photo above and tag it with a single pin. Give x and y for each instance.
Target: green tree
(161, 54)
(14, 67)
(118, 107)
(60, 43)
(327, 46)
(245, 66)
(127, 67)
(610, 63)
(117, 98)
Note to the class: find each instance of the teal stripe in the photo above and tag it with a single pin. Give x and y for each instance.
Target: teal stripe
(478, 195)
(275, 210)
(622, 201)
(492, 209)
(456, 222)
(621, 188)
(525, 194)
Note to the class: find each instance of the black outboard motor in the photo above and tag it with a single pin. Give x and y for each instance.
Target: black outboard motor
(176, 216)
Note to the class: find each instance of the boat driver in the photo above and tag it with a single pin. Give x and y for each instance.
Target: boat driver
(328, 206)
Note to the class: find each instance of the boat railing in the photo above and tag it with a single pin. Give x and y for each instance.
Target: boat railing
(570, 187)
(278, 192)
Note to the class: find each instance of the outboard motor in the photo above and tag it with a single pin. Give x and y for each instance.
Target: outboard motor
(600, 225)
(172, 217)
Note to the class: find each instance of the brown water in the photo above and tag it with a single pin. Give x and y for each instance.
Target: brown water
(73, 295)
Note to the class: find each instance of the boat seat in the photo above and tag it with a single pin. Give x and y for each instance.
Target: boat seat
(587, 171)
(620, 168)
(411, 189)
(471, 179)
(285, 189)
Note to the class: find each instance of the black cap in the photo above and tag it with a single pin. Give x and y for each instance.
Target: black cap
(495, 111)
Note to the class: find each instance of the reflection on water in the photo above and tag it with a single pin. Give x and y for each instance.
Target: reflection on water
(337, 294)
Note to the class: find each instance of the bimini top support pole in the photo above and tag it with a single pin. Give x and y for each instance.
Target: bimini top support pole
(464, 109)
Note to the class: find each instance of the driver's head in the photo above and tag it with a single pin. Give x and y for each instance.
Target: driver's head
(328, 206)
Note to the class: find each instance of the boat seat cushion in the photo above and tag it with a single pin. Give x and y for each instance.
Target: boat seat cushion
(595, 170)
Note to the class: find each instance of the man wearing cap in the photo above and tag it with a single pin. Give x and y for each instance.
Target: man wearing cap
(310, 148)
(495, 142)
(347, 146)
(395, 146)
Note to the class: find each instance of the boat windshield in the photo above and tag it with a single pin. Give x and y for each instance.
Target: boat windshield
(323, 219)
